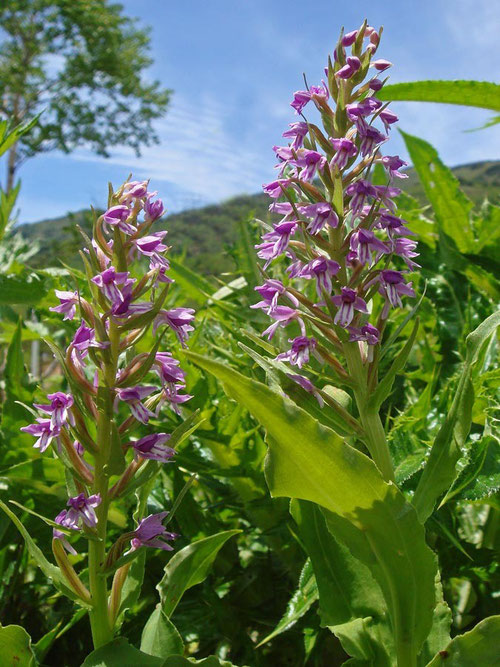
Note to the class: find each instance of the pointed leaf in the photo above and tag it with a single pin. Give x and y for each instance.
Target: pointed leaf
(119, 653)
(160, 637)
(482, 94)
(477, 648)
(15, 647)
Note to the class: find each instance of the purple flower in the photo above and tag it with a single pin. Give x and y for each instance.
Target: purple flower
(392, 223)
(160, 264)
(126, 308)
(168, 368)
(349, 38)
(170, 394)
(345, 149)
(376, 85)
(68, 304)
(367, 333)
(347, 302)
(392, 286)
(151, 533)
(116, 216)
(360, 191)
(44, 431)
(298, 355)
(363, 242)
(388, 118)
(83, 339)
(133, 397)
(308, 162)
(275, 188)
(404, 248)
(381, 64)
(62, 520)
(392, 164)
(148, 245)
(300, 99)
(321, 214)
(59, 409)
(153, 209)
(306, 384)
(351, 67)
(276, 242)
(319, 92)
(82, 508)
(270, 291)
(371, 138)
(366, 107)
(108, 282)
(153, 447)
(178, 319)
(322, 270)
(385, 193)
(283, 315)
(298, 131)
(135, 190)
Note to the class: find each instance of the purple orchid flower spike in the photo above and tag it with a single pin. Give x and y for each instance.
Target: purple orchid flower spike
(153, 447)
(109, 282)
(270, 291)
(178, 319)
(347, 302)
(152, 533)
(308, 162)
(275, 188)
(371, 138)
(133, 397)
(360, 191)
(152, 244)
(168, 368)
(84, 338)
(350, 68)
(276, 242)
(68, 303)
(82, 508)
(153, 209)
(59, 409)
(297, 132)
(44, 431)
(299, 353)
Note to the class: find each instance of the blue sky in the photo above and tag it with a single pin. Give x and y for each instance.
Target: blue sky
(233, 66)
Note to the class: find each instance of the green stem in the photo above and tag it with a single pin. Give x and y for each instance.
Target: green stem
(370, 420)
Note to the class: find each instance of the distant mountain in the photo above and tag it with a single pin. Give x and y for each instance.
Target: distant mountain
(205, 233)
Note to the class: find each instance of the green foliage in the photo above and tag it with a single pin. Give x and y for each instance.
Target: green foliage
(103, 56)
(15, 647)
(477, 647)
(482, 94)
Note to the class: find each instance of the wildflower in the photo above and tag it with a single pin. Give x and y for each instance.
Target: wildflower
(350, 68)
(59, 409)
(152, 533)
(367, 333)
(153, 447)
(149, 245)
(178, 319)
(392, 164)
(321, 214)
(345, 149)
(117, 216)
(62, 520)
(297, 131)
(283, 315)
(270, 291)
(388, 118)
(108, 282)
(381, 64)
(298, 354)
(393, 285)
(347, 302)
(360, 191)
(349, 38)
(306, 384)
(81, 508)
(68, 303)
(276, 242)
(363, 243)
(300, 99)
(322, 270)
(153, 209)
(44, 431)
(133, 397)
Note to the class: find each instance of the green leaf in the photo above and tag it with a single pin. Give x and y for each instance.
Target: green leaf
(27, 288)
(8, 136)
(211, 661)
(310, 462)
(15, 647)
(160, 637)
(477, 648)
(50, 571)
(347, 590)
(189, 567)
(451, 206)
(482, 94)
(440, 470)
(119, 653)
(303, 598)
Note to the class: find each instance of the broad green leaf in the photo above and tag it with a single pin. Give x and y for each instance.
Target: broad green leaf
(439, 636)
(477, 648)
(15, 647)
(482, 94)
(50, 571)
(451, 206)
(310, 462)
(119, 653)
(26, 288)
(160, 637)
(189, 567)
(440, 470)
(303, 598)
(480, 478)
(347, 590)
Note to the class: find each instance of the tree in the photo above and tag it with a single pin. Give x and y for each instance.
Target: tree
(81, 63)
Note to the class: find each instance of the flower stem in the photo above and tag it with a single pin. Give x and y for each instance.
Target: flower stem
(370, 419)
